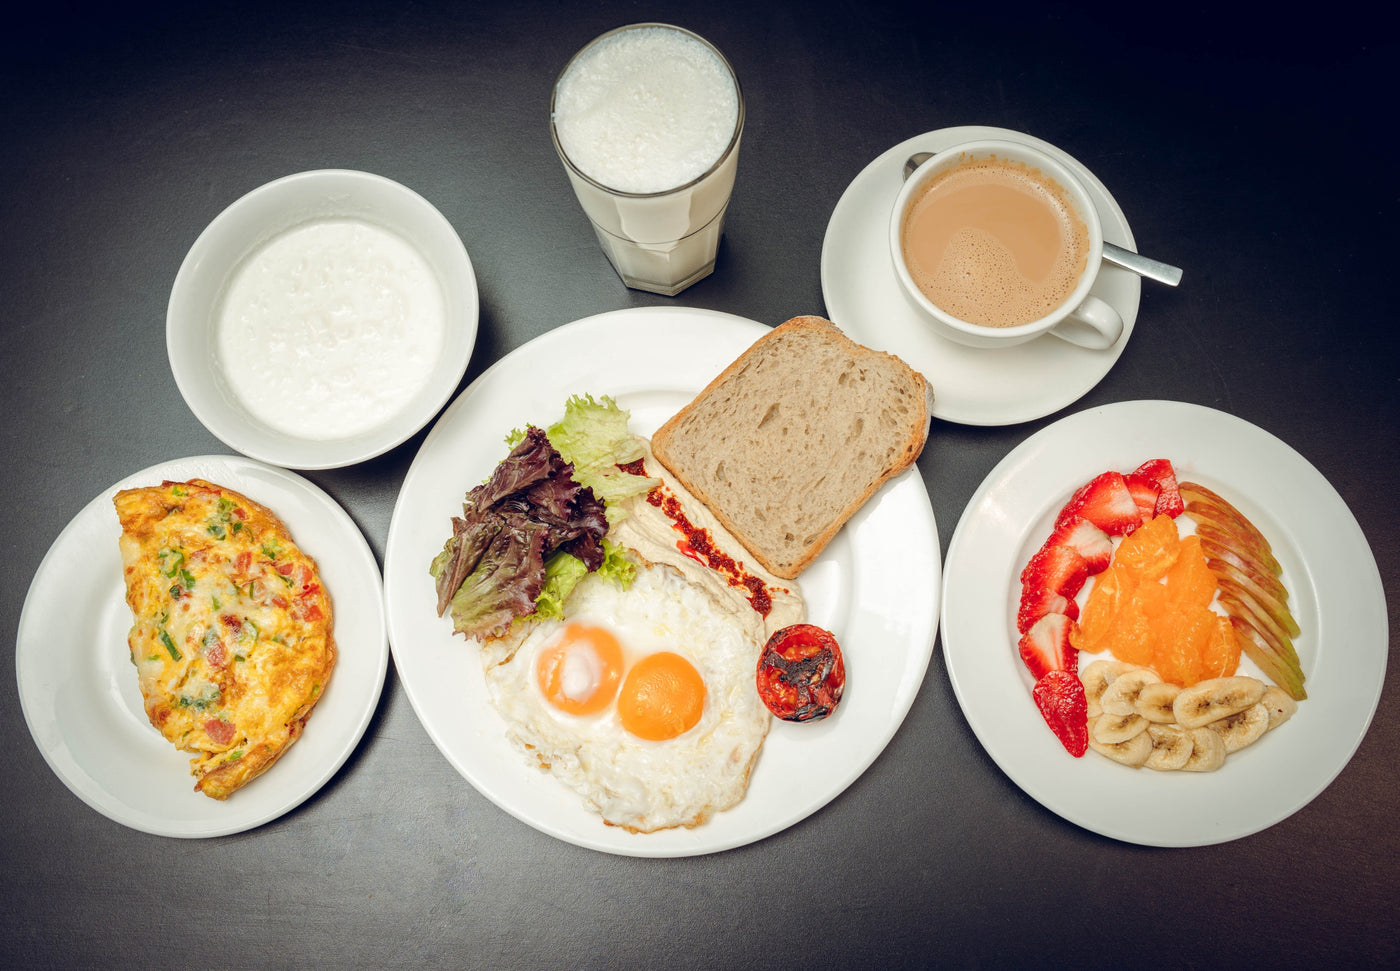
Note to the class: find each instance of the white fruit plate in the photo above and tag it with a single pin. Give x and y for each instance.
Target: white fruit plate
(1328, 568)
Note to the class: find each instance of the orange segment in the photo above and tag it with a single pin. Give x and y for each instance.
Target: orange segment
(1151, 598)
(1189, 579)
(1109, 594)
(1152, 607)
(1131, 639)
(1181, 645)
(1150, 550)
(1222, 654)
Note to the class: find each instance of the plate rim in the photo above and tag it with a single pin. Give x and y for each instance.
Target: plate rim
(1116, 229)
(1013, 761)
(359, 448)
(87, 788)
(675, 843)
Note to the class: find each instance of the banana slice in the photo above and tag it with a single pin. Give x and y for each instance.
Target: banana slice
(1133, 752)
(1280, 704)
(1096, 678)
(1243, 728)
(1154, 702)
(1112, 729)
(1118, 697)
(1207, 751)
(1206, 701)
(1171, 747)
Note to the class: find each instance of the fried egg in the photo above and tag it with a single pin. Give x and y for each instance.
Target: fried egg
(641, 700)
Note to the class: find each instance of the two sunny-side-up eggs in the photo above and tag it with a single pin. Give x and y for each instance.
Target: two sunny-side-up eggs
(642, 700)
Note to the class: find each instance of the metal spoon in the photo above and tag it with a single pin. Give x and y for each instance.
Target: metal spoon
(1112, 253)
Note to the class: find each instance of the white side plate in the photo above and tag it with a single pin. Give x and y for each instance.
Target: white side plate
(77, 685)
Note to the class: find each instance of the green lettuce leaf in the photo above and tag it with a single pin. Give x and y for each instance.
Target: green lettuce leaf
(593, 437)
(563, 571)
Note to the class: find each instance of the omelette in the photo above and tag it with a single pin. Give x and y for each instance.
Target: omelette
(231, 634)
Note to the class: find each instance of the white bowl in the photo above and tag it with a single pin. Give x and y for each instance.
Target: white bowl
(248, 224)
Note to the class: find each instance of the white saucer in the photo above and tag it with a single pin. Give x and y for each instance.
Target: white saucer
(971, 386)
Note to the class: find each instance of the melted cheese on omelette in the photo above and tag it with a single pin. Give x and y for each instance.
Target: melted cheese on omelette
(231, 632)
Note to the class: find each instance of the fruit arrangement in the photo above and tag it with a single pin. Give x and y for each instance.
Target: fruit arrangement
(1152, 607)
(1136, 718)
(1251, 593)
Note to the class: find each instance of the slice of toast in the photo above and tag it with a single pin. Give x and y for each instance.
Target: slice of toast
(794, 436)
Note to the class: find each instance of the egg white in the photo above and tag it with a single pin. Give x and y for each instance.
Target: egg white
(631, 782)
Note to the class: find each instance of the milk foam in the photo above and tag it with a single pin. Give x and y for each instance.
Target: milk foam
(995, 242)
(646, 110)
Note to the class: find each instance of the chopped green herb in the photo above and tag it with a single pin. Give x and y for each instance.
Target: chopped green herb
(170, 561)
(174, 651)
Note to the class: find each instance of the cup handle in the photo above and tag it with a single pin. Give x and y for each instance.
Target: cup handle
(1093, 324)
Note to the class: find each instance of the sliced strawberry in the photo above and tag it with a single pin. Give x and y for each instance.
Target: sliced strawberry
(1046, 647)
(1145, 491)
(1057, 569)
(1169, 499)
(1106, 502)
(1036, 603)
(1060, 697)
(1087, 540)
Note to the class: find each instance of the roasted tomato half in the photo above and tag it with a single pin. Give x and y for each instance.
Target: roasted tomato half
(801, 674)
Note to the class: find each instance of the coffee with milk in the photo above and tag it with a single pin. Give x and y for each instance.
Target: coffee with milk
(994, 242)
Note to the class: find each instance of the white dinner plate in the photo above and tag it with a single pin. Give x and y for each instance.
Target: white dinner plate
(1328, 568)
(876, 586)
(971, 385)
(78, 688)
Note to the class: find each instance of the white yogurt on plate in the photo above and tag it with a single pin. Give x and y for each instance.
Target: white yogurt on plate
(329, 329)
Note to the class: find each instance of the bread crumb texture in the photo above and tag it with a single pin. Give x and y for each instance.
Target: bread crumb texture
(793, 438)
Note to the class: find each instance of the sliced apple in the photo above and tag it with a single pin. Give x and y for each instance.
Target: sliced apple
(1213, 529)
(1268, 582)
(1220, 509)
(1252, 592)
(1261, 652)
(1275, 611)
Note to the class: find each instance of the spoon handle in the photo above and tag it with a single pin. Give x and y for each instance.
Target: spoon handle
(1141, 265)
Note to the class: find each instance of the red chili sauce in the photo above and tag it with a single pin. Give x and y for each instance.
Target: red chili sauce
(697, 544)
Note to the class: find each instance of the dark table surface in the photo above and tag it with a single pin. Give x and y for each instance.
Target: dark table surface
(1258, 155)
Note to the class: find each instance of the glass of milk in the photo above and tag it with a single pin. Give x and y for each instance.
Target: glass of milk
(646, 120)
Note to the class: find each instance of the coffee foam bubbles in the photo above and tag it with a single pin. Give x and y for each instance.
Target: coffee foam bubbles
(994, 242)
(646, 110)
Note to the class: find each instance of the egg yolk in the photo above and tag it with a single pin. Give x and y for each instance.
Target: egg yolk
(662, 697)
(579, 673)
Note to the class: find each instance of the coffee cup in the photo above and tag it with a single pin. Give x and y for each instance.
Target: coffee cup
(997, 243)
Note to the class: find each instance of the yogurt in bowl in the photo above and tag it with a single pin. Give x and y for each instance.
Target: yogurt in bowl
(322, 319)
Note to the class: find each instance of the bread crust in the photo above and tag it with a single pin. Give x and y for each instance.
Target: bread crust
(670, 445)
